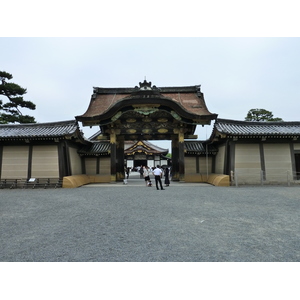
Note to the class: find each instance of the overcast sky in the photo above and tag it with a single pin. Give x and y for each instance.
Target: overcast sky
(236, 74)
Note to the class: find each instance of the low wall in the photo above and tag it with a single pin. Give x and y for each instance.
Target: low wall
(214, 179)
(79, 180)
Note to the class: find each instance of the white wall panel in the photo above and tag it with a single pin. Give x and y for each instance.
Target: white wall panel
(277, 161)
(45, 161)
(75, 161)
(248, 163)
(15, 162)
(220, 158)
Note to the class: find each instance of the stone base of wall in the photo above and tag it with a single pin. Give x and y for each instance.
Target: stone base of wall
(79, 180)
(214, 179)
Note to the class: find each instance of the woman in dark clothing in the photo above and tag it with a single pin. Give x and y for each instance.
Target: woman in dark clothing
(167, 180)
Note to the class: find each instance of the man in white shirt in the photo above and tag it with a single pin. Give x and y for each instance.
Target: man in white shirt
(157, 174)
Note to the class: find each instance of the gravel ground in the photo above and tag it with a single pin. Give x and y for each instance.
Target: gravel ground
(118, 223)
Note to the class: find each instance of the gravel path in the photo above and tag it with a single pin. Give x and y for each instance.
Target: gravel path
(116, 223)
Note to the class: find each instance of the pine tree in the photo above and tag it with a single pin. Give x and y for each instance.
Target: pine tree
(10, 111)
(260, 114)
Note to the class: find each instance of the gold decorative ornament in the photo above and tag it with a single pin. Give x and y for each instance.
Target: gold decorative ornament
(162, 120)
(146, 109)
(131, 131)
(146, 130)
(162, 130)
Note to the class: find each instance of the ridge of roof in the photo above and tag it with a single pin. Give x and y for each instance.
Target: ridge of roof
(93, 137)
(58, 123)
(242, 122)
(257, 128)
(39, 130)
(149, 144)
(129, 90)
(135, 144)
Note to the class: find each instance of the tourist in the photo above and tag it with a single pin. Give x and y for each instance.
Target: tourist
(146, 175)
(158, 174)
(166, 173)
(141, 172)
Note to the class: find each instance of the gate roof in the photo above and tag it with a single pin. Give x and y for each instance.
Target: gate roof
(147, 112)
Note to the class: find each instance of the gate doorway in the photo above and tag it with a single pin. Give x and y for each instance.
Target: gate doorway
(138, 163)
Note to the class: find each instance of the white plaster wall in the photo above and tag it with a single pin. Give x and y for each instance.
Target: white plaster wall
(75, 161)
(150, 163)
(220, 157)
(205, 165)
(163, 162)
(104, 168)
(90, 165)
(296, 146)
(130, 164)
(189, 165)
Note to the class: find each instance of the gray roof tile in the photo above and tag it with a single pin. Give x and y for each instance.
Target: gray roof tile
(96, 148)
(38, 130)
(253, 128)
(198, 147)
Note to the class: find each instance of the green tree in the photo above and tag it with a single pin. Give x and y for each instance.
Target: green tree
(260, 114)
(10, 111)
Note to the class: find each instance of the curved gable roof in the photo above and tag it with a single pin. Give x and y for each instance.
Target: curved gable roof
(143, 146)
(187, 101)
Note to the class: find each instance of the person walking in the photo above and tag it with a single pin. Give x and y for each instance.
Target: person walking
(158, 174)
(167, 180)
(141, 172)
(146, 175)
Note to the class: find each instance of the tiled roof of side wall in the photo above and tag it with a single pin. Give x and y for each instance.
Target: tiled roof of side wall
(199, 147)
(36, 130)
(233, 127)
(95, 148)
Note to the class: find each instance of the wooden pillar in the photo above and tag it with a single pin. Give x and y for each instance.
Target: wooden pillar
(175, 158)
(63, 165)
(120, 175)
(1, 154)
(29, 166)
(178, 155)
(113, 156)
(83, 168)
(181, 155)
